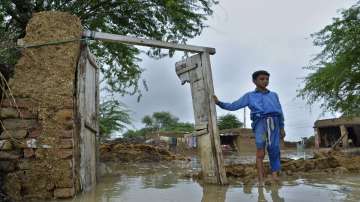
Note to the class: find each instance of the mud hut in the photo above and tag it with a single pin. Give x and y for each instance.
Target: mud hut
(240, 138)
(344, 132)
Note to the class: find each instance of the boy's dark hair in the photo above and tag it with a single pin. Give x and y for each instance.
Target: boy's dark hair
(258, 73)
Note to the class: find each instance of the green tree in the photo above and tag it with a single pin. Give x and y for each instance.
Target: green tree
(229, 121)
(168, 20)
(164, 120)
(148, 121)
(335, 76)
(160, 121)
(114, 116)
(182, 127)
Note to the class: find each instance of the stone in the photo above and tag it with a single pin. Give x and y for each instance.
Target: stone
(64, 192)
(5, 145)
(17, 134)
(29, 152)
(10, 124)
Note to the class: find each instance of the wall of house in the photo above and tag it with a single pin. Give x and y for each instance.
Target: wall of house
(37, 149)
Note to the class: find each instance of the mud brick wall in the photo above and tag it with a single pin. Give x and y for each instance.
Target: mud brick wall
(38, 148)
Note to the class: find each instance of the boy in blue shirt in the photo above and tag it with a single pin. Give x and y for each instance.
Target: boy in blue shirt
(267, 121)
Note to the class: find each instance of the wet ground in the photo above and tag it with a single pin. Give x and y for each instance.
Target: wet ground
(167, 182)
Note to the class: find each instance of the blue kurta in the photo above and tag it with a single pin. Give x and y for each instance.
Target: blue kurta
(267, 120)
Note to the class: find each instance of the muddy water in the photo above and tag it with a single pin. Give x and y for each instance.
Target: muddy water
(165, 182)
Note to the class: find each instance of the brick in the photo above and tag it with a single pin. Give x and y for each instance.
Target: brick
(64, 115)
(6, 113)
(9, 155)
(35, 132)
(64, 192)
(66, 134)
(25, 114)
(69, 125)
(69, 103)
(29, 153)
(20, 103)
(65, 144)
(10, 124)
(5, 145)
(64, 153)
(17, 134)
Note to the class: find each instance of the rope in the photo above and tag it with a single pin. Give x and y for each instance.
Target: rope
(45, 44)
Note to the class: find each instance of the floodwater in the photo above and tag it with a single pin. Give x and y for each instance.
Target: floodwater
(166, 182)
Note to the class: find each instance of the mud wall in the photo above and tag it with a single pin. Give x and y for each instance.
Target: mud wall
(38, 145)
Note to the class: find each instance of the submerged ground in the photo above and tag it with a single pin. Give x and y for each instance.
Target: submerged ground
(170, 181)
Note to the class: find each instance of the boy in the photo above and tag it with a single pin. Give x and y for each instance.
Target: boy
(267, 121)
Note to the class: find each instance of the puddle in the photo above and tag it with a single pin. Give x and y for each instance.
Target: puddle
(164, 182)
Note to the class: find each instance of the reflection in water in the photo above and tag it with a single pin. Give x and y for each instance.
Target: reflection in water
(165, 183)
(261, 196)
(214, 193)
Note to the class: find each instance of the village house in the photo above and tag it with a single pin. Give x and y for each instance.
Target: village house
(343, 132)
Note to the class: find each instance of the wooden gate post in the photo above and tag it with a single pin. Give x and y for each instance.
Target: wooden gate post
(197, 71)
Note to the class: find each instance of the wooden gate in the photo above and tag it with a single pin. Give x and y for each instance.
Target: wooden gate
(196, 70)
(87, 103)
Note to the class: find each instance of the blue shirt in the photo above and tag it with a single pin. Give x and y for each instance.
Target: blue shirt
(261, 104)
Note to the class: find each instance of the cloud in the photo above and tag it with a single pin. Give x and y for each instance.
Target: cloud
(248, 35)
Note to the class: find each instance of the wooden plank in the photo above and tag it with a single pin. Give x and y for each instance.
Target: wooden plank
(337, 122)
(344, 134)
(186, 69)
(317, 138)
(201, 132)
(201, 126)
(146, 42)
(209, 148)
(87, 112)
(214, 131)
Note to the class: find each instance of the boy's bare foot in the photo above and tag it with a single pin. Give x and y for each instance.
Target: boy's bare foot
(268, 181)
(274, 176)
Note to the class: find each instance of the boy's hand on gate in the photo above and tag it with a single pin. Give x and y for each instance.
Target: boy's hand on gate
(216, 100)
(282, 133)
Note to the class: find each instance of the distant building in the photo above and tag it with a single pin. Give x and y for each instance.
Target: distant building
(241, 139)
(345, 131)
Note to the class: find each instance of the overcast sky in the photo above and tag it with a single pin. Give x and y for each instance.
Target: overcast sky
(248, 35)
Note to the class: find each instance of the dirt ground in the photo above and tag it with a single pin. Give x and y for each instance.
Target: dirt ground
(124, 152)
(322, 164)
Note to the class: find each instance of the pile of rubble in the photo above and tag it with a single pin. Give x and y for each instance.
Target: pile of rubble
(321, 164)
(123, 152)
